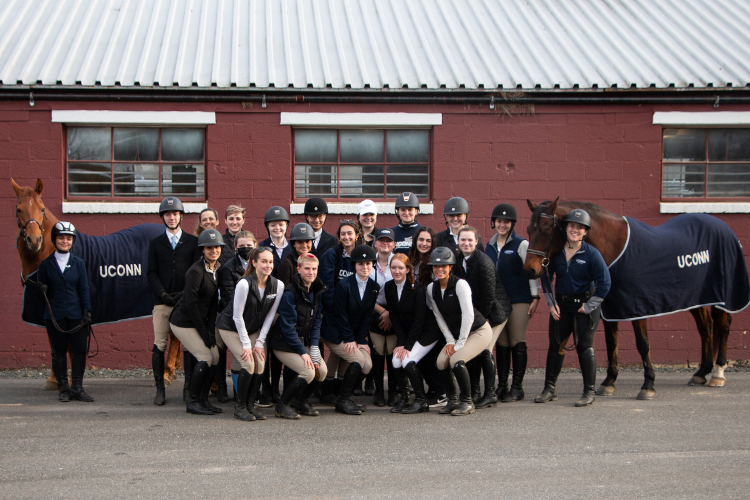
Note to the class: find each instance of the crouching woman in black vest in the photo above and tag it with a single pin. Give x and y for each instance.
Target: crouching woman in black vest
(193, 320)
(467, 333)
(245, 323)
(295, 338)
(62, 276)
(345, 328)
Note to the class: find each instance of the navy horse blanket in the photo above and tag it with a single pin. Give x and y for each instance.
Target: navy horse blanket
(116, 265)
(692, 260)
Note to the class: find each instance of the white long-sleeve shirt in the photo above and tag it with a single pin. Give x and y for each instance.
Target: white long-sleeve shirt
(463, 292)
(240, 299)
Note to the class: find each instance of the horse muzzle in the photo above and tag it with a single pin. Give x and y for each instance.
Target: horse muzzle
(34, 243)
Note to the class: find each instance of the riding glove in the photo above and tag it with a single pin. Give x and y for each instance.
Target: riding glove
(167, 299)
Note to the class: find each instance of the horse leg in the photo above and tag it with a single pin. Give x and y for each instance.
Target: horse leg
(173, 359)
(704, 322)
(640, 328)
(610, 335)
(722, 321)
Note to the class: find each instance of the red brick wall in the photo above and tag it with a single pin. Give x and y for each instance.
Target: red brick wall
(609, 155)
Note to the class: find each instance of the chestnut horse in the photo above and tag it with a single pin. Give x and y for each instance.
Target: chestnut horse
(34, 245)
(608, 234)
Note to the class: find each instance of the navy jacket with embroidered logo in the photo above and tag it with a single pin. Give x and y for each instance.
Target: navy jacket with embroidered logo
(299, 321)
(333, 268)
(349, 321)
(68, 292)
(585, 270)
(404, 233)
(510, 268)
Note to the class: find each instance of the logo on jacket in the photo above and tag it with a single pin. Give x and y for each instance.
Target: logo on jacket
(580, 261)
(271, 296)
(695, 259)
(509, 252)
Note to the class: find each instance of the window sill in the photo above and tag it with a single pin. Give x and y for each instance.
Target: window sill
(384, 208)
(722, 207)
(114, 207)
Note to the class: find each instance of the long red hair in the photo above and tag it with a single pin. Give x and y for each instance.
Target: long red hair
(404, 259)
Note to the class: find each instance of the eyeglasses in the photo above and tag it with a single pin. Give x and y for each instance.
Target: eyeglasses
(348, 221)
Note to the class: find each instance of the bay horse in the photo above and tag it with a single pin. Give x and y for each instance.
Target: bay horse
(34, 244)
(609, 234)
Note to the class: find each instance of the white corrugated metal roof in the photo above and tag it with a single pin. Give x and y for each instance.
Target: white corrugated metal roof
(376, 43)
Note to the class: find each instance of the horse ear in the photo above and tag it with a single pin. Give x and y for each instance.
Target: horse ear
(553, 206)
(531, 204)
(16, 187)
(39, 186)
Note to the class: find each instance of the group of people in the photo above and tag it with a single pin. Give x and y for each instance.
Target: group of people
(428, 307)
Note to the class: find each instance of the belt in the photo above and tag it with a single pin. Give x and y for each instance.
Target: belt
(575, 299)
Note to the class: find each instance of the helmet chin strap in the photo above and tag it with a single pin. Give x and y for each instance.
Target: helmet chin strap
(172, 228)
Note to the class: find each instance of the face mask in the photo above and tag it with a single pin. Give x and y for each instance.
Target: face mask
(244, 252)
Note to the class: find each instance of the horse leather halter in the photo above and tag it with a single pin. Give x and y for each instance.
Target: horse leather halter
(23, 227)
(545, 254)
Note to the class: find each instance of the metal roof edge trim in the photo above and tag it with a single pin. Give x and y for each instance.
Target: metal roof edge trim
(103, 117)
(361, 119)
(707, 118)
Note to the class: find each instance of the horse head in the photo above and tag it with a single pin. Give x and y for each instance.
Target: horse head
(546, 236)
(31, 215)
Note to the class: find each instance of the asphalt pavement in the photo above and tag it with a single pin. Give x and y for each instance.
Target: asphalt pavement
(689, 442)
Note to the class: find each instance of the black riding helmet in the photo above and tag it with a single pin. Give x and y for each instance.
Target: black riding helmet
(171, 204)
(504, 211)
(62, 228)
(275, 213)
(301, 232)
(363, 253)
(210, 238)
(456, 205)
(442, 256)
(579, 216)
(407, 200)
(314, 206)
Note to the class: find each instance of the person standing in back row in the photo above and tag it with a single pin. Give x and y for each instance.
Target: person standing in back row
(456, 214)
(407, 209)
(316, 213)
(169, 257)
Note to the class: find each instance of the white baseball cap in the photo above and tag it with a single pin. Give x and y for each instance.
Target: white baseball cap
(367, 207)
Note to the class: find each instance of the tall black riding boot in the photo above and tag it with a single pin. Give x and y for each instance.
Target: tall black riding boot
(157, 365)
(451, 391)
(288, 375)
(554, 365)
(344, 404)
(207, 388)
(283, 408)
(265, 400)
(243, 389)
(328, 393)
(188, 365)
(252, 395)
(60, 369)
(300, 403)
(378, 371)
(466, 405)
(488, 369)
(198, 382)
(369, 384)
(77, 370)
(393, 387)
(357, 391)
(420, 401)
(587, 360)
(520, 358)
(503, 354)
(475, 373)
(276, 366)
(399, 380)
(221, 377)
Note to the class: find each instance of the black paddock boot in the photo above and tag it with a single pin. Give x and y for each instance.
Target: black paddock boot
(78, 369)
(588, 370)
(370, 384)
(488, 368)
(344, 404)
(243, 389)
(520, 358)
(60, 369)
(466, 406)
(420, 400)
(206, 389)
(378, 371)
(255, 382)
(188, 366)
(291, 391)
(157, 365)
(393, 387)
(451, 392)
(300, 403)
(328, 394)
(475, 373)
(276, 366)
(221, 377)
(400, 380)
(198, 382)
(503, 354)
(554, 365)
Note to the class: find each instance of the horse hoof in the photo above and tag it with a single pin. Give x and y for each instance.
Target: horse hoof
(717, 382)
(605, 390)
(646, 394)
(696, 380)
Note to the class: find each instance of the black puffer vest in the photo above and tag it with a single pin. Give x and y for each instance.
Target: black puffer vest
(256, 309)
(449, 306)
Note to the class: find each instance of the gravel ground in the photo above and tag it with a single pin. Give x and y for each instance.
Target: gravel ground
(740, 365)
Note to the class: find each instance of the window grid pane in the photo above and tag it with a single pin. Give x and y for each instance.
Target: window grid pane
(406, 169)
(135, 164)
